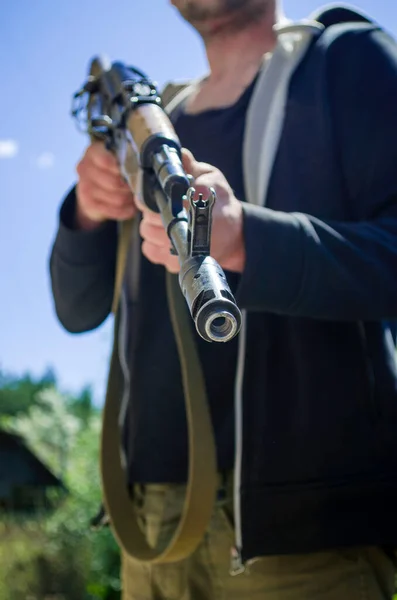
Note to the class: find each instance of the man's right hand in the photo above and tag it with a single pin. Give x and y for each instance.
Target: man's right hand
(102, 193)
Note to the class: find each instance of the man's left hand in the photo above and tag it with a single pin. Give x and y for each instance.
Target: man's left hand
(227, 244)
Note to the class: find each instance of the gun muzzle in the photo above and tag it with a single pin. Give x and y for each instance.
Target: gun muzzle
(210, 301)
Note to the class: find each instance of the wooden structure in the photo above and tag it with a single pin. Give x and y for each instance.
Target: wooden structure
(24, 479)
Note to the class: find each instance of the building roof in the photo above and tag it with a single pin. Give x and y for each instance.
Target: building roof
(20, 467)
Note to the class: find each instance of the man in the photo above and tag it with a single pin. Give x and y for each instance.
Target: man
(313, 264)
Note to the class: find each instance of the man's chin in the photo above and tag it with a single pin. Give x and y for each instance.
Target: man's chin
(217, 26)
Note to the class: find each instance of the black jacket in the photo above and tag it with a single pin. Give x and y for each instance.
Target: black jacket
(317, 433)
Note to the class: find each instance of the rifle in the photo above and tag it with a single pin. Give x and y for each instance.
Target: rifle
(121, 106)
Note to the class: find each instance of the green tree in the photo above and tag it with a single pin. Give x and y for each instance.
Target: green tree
(19, 393)
(101, 563)
(82, 405)
(49, 429)
(58, 553)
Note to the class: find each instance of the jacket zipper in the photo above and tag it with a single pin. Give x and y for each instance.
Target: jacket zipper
(269, 142)
(237, 566)
(373, 407)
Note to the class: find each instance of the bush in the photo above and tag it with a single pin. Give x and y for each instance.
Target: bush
(57, 556)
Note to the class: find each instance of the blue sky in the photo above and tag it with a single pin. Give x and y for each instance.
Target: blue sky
(45, 48)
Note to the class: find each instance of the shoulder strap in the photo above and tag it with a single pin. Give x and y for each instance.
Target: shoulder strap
(202, 474)
(123, 243)
(265, 115)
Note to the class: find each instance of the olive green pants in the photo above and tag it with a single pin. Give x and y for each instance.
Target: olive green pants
(350, 574)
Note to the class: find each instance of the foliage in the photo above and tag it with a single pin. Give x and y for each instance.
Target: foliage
(56, 554)
(19, 394)
(49, 429)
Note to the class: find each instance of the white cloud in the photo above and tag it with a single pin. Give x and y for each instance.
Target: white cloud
(8, 148)
(45, 160)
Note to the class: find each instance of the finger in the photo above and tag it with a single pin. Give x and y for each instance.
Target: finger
(96, 205)
(192, 166)
(144, 208)
(100, 212)
(115, 213)
(139, 202)
(102, 158)
(154, 234)
(173, 265)
(149, 215)
(107, 180)
(92, 193)
(159, 255)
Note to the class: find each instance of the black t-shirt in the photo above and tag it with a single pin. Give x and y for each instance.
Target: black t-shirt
(156, 433)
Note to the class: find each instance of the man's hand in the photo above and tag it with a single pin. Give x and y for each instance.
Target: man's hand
(102, 193)
(227, 244)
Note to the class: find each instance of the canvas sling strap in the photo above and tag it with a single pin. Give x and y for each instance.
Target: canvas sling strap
(202, 478)
(202, 472)
(202, 475)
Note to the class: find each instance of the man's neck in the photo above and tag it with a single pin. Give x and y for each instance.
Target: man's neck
(234, 61)
(231, 57)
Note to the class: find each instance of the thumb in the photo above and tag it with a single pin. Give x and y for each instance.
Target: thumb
(192, 166)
